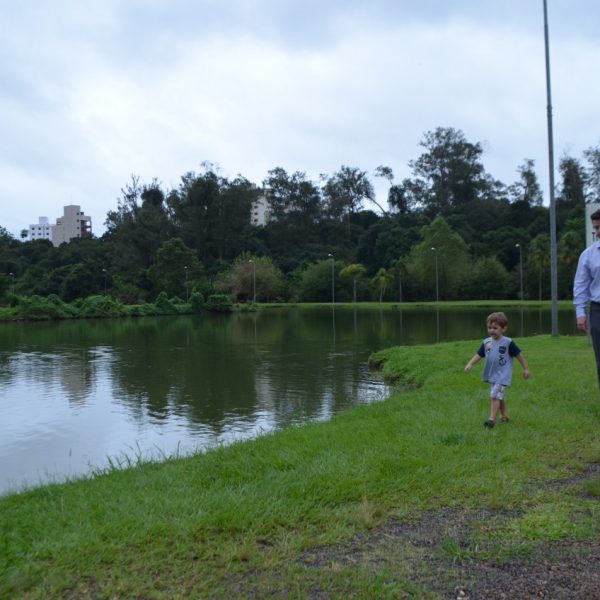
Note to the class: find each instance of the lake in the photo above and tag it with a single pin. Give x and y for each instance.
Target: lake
(79, 395)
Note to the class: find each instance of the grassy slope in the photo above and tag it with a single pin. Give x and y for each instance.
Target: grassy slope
(236, 521)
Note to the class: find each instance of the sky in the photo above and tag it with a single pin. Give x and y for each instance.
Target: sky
(94, 92)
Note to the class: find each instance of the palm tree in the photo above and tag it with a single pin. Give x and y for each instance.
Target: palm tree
(539, 256)
(353, 272)
(381, 281)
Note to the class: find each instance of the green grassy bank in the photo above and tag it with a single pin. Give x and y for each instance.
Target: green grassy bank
(255, 519)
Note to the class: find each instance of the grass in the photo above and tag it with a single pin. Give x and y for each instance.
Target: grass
(256, 518)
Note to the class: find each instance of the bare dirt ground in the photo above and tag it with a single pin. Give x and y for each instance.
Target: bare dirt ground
(439, 552)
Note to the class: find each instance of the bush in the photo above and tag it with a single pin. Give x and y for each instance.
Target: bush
(99, 306)
(36, 307)
(164, 306)
(219, 303)
(140, 310)
(197, 301)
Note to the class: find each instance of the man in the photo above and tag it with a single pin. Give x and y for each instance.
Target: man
(586, 288)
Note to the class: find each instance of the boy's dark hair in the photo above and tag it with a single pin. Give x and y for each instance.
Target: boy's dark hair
(595, 216)
(498, 317)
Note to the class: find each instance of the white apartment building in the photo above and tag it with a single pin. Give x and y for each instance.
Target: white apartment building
(73, 224)
(260, 212)
(40, 231)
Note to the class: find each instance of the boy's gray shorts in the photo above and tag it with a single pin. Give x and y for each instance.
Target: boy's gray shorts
(497, 391)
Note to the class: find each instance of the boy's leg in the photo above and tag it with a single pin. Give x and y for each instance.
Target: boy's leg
(503, 410)
(497, 402)
(495, 405)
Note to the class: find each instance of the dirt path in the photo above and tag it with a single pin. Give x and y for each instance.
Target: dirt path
(445, 552)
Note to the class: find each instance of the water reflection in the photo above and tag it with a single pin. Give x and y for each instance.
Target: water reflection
(74, 393)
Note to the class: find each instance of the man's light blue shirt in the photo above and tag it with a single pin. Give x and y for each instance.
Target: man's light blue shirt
(586, 285)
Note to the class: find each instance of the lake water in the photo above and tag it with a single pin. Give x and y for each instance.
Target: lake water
(75, 395)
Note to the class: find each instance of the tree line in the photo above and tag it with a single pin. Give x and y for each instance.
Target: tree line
(451, 231)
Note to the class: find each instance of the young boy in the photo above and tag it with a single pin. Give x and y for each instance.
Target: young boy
(498, 352)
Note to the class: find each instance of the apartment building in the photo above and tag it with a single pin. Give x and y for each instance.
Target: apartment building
(73, 224)
(260, 212)
(42, 230)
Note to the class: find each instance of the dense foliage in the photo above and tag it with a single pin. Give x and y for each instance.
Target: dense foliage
(450, 224)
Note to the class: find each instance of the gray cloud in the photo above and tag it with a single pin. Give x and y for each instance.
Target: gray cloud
(93, 92)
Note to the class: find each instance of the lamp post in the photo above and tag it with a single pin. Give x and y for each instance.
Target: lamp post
(520, 268)
(437, 287)
(187, 295)
(552, 207)
(104, 272)
(12, 282)
(332, 278)
(253, 281)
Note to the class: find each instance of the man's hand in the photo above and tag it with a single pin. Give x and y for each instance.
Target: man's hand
(582, 324)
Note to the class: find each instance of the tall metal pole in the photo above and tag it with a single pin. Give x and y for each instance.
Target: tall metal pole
(332, 279)
(520, 268)
(253, 281)
(187, 295)
(437, 287)
(553, 258)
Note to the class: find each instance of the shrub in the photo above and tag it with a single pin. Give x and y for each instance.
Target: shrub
(164, 306)
(99, 306)
(197, 301)
(219, 303)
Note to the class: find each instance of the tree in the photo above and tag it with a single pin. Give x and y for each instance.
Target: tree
(353, 273)
(571, 197)
(345, 192)
(539, 257)
(399, 267)
(592, 156)
(212, 214)
(176, 265)
(295, 206)
(573, 185)
(570, 246)
(245, 271)
(385, 173)
(452, 260)
(488, 279)
(450, 172)
(381, 280)
(315, 281)
(407, 196)
(387, 239)
(139, 225)
(527, 189)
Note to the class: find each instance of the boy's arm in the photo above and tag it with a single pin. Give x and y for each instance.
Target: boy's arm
(521, 359)
(470, 364)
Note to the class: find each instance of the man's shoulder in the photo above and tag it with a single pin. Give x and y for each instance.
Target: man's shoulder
(591, 250)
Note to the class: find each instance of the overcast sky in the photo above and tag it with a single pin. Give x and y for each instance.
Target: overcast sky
(94, 91)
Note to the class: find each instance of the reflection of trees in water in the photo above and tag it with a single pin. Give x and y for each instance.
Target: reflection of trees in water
(43, 357)
(191, 367)
(286, 365)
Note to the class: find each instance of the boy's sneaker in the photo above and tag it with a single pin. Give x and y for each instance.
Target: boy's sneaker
(490, 423)
(505, 419)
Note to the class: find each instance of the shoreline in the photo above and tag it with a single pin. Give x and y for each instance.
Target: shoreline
(339, 508)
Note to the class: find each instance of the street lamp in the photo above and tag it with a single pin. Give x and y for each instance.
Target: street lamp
(253, 281)
(520, 268)
(437, 287)
(332, 279)
(187, 295)
(104, 271)
(12, 284)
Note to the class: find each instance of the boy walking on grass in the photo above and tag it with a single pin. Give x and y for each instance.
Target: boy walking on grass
(498, 352)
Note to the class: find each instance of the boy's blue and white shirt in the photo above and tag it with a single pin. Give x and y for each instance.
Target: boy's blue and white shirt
(498, 359)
